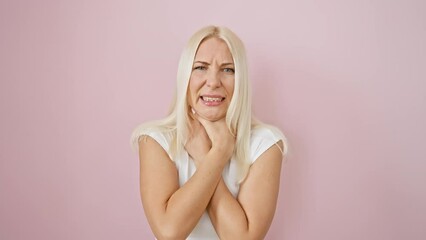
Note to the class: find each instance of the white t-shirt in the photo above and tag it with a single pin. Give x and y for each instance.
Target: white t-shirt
(261, 139)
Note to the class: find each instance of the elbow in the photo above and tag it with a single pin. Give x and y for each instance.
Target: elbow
(250, 237)
(170, 232)
(246, 235)
(166, 236)
(169, 236)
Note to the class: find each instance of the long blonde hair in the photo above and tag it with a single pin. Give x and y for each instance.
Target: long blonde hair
(239, 114)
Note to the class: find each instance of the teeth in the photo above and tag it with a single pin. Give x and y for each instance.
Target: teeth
(210, 99)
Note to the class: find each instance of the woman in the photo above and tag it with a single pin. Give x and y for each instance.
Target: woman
(209, 170)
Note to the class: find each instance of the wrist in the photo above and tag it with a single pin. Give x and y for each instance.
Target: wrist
(223, 153)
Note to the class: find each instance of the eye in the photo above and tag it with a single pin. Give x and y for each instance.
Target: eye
(229, 70)
(199, 68)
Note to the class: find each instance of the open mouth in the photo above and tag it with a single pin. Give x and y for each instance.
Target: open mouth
(212, 99)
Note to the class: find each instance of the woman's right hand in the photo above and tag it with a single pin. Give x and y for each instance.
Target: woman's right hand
(198, 144)
(222, 140)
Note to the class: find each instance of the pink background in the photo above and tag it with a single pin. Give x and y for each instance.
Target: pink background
(344, 80)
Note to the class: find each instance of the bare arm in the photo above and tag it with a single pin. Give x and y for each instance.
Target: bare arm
(174, 211)
(250, 215)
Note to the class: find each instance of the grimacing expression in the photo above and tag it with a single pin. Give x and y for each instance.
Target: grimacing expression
(211, 84)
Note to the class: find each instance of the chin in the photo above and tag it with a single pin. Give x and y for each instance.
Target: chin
(215, 118)
(210, 116)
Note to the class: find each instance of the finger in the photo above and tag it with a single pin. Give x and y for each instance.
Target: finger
(199, 121)
(192, 114)
(206, 125)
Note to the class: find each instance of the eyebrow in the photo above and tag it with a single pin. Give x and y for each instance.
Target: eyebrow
(206, 63)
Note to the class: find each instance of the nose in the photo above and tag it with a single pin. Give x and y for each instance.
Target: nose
(213, 79)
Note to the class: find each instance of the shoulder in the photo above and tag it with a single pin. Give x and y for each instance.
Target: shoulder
(163, 137)
(264, 137)
(266, 131)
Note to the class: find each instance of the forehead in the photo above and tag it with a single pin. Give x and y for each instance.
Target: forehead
(213, 49)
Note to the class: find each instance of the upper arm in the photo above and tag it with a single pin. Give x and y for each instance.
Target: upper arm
(259, 192)
(158, 179)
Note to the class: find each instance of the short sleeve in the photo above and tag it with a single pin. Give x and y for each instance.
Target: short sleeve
(162, 138)
(262, 138)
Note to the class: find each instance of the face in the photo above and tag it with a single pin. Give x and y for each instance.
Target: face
(211, 85)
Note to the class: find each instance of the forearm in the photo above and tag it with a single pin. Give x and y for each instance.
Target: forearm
(184, 208)
(227, 215)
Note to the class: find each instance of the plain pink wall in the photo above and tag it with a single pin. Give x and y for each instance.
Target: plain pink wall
(344, 80)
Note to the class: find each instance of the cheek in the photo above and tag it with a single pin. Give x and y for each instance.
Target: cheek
(192, 90)
(195, 83)
(230, 87)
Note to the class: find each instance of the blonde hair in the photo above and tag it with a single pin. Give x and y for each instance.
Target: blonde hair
(238, 116)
